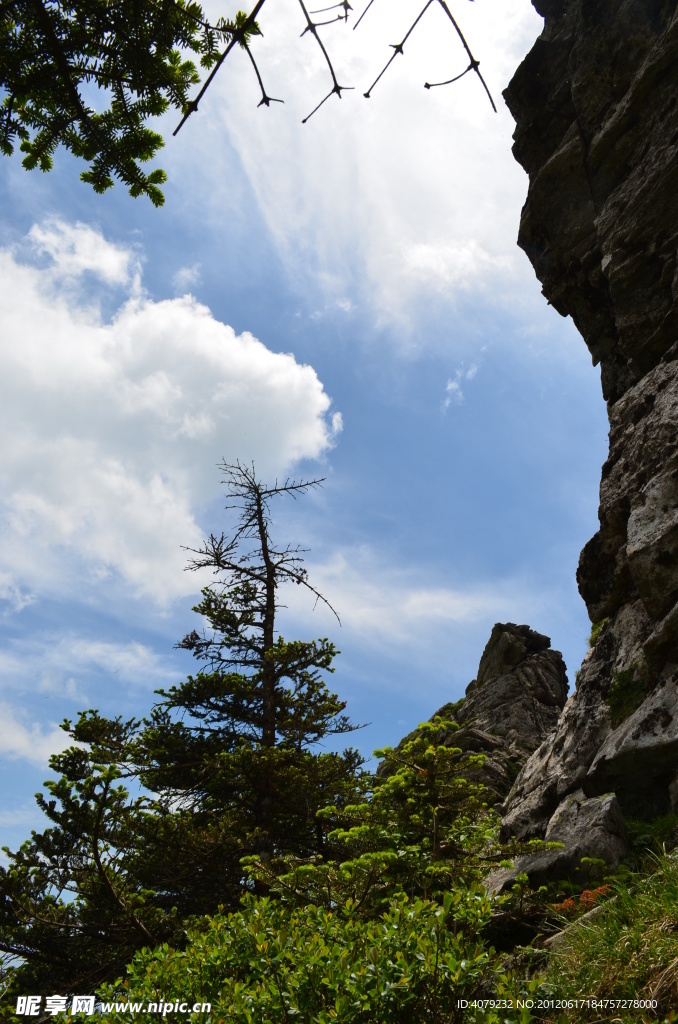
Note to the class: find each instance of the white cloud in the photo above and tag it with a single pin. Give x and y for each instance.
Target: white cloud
(14, 596)
(132, 661)
(77, 248)
(29, 741)
(454, 388)
(337, 423)
(186, 278)
(410, 191)
(55, 665)
(112, 430)
(453, 392)
(383, 605)
(451, 268)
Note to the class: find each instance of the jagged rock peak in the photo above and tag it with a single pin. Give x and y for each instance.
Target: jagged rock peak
(510, 707)
(507, 647)
(520, 689)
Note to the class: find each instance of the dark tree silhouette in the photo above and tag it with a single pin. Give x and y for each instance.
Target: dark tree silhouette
(137, 53)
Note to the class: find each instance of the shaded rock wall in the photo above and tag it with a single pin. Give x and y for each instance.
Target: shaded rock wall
(596, 109)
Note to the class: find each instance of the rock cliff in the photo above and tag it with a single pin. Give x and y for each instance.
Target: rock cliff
(512, 705)
(596, 109)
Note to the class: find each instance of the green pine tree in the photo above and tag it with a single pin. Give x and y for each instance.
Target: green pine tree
(55, 57)
(149, 820)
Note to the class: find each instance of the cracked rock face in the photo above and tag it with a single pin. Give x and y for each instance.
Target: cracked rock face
(596, 109)
(586, 826)
(512, 705)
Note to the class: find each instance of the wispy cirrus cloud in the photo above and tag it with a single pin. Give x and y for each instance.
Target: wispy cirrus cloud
(186, 278)
(61, 665)
(411, 193)
(454, 389)
(23, 739)
(386, 605)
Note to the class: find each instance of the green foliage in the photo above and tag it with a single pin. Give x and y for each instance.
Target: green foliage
(450, 709)
(315, 965)
(149, 820)
(627, 692)
(596, 629)
(629, 950)
(115, 871)
(88, 74)
(421, 828)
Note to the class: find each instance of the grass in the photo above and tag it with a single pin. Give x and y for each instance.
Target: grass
(626, 694)
(650, 837)
(596, 628)
(628, 951)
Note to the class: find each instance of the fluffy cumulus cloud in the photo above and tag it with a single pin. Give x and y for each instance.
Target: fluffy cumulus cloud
(412, 193)
(113, 425)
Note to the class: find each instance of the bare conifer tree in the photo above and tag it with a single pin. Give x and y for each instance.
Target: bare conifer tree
(277, 682)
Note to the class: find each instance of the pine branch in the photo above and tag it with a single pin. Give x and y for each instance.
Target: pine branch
(103, 874)
(239, 35)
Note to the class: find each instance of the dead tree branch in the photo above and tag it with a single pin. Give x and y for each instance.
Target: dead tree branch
(398, 47)
(248, 26)
(474, 64)
(398, 50)
(239, 35)
(312, 27)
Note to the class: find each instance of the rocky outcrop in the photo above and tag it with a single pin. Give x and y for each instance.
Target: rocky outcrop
(585, 827)
(511, 707)
(596, 107)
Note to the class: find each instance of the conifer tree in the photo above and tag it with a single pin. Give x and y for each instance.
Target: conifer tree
(149, 820)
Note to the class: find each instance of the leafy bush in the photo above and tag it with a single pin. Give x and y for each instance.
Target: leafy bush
(386, 930)
(271, 963)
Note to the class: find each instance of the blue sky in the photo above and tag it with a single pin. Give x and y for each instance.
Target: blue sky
(341, 299)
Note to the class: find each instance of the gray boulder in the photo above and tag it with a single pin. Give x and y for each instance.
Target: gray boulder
(640, 758)
(586, 826)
